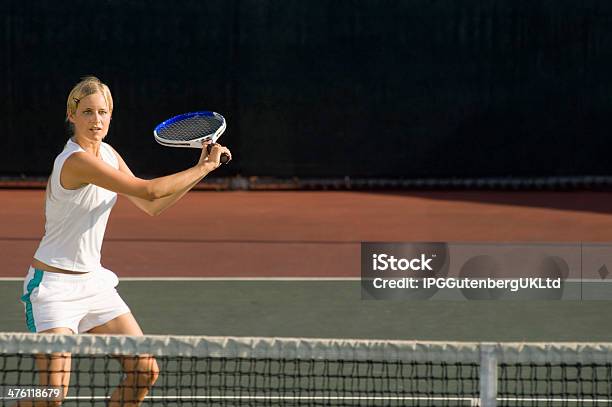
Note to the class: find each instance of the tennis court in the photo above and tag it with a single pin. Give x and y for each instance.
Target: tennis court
(249, 263)
(285, 264)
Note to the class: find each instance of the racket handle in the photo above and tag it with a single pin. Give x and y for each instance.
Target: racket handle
(224, 156)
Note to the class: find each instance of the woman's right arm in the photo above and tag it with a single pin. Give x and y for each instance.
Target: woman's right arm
(83, 168)
(157, 206)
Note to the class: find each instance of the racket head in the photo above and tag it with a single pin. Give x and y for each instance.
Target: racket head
(190, 130)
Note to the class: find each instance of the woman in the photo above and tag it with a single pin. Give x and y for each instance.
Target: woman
(67, 291)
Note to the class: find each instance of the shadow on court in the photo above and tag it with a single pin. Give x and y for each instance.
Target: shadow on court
(579, 201)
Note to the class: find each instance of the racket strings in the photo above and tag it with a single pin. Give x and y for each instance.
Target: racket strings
(190, 129)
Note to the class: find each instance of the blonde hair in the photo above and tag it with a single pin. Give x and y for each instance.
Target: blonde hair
(87, 86)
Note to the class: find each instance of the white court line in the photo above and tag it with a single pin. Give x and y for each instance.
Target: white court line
(581, 401)
(240, 279)
(586, 280)
(571, 280)
(471, 400)
(219, 279)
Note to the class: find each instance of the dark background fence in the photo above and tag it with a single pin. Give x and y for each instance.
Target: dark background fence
(374, 89)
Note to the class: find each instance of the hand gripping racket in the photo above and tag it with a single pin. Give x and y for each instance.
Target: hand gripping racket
(191, 130)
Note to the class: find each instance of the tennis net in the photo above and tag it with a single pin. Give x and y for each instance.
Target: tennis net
(226, 371)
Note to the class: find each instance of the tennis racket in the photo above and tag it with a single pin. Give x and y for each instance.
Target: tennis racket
(192, 130)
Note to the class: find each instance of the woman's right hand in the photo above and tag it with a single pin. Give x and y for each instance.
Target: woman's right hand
(213, 159)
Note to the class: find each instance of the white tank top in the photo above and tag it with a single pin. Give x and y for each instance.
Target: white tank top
(75, 219)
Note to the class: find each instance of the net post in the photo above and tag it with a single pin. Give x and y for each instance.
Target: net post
(488, 376)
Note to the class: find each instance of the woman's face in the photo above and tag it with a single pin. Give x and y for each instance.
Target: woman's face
(92, 117)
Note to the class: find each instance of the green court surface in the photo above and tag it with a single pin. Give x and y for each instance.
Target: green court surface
(335, 309)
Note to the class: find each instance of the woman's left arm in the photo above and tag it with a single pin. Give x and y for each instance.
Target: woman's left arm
(156, 206)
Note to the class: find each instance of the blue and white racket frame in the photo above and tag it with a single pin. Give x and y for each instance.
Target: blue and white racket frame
(196, 142)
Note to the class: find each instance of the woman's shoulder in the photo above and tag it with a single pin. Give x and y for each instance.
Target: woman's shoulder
(69, 148)
(109, 154)
(107, 146)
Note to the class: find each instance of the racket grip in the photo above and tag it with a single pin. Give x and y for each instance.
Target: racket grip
(224, 156)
